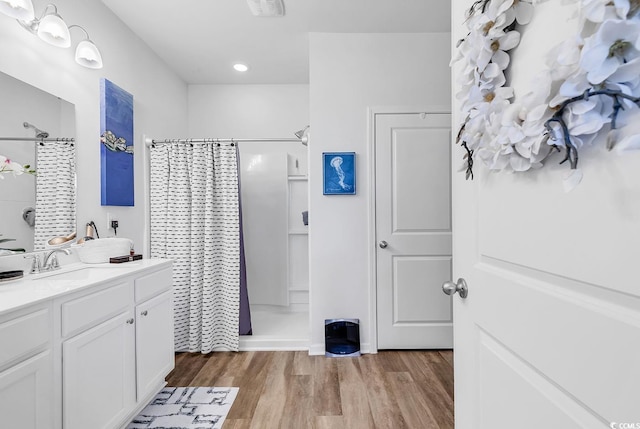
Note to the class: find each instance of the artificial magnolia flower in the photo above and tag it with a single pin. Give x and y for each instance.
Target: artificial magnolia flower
(496, 47)
(564, 59)
(523, 11)
(615, 47)
(598, 10)
(627, 8)
(572, 179)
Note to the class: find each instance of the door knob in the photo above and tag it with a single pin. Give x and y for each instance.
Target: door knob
(383, 244)
(451, 288)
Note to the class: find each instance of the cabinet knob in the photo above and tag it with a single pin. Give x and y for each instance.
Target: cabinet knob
(130, 321)
(144, 313)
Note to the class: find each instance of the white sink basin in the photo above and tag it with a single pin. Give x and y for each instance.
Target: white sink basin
(76, 274)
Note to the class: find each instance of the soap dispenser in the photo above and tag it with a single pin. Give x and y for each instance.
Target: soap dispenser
(91, 227)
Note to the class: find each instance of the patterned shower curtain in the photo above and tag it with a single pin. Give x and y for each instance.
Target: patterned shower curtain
(55, 191)
(195, 221)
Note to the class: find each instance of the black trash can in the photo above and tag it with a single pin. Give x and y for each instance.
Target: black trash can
(342, 337)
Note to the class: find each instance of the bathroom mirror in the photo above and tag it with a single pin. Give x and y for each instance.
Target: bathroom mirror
(45, 113)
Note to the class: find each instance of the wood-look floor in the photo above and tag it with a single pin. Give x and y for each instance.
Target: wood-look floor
(292, 390)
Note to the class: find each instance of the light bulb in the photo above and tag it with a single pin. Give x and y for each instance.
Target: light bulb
(53, 30)
(88, 55)
(18, 9)
(240, 67)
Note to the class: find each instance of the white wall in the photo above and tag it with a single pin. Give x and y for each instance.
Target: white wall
(251, 111)
(348, 74)
(160, 97)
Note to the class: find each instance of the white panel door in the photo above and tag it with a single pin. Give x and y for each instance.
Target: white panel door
(549, 334)
(413, 230)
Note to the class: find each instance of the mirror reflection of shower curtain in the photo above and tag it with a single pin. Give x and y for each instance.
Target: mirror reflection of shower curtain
(195, 221)
(55, 191)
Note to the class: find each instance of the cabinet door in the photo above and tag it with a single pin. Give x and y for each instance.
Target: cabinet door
(99, 374)
(154, 343)
(25, 394)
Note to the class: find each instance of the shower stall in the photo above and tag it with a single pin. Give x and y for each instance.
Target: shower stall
(274, 194)
(272, 180)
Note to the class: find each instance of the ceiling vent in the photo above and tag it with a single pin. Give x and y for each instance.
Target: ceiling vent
(266, 7)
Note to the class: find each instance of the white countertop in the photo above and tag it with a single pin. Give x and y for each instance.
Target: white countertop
(33, 288)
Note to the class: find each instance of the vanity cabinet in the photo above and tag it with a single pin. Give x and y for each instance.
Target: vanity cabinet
(26, 368)
(98, 376)
(117, 348)
(98, 360)
(84, 348)
(154, 343)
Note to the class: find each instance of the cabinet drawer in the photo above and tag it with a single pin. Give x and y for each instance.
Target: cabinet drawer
(24, 334)
(153, 284)
(89, 310)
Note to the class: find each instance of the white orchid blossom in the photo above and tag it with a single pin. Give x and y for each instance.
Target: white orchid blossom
(9, 166)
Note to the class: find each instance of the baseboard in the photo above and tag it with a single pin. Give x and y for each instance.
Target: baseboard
(318, 349)
(256, 343)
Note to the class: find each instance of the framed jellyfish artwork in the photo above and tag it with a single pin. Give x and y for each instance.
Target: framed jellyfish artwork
(339, 173)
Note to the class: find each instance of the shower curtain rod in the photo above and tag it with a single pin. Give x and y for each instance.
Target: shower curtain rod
(36, 139)
(211, 140)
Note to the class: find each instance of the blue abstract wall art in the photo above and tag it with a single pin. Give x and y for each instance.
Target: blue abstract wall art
(116, 145)
(339, 173)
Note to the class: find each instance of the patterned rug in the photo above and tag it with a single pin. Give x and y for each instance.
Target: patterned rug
(186, 408)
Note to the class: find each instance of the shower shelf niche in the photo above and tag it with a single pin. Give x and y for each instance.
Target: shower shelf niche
(298, 243)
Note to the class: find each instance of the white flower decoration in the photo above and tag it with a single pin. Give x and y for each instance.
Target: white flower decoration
(613, 52)
(8, 166)
(596, 78)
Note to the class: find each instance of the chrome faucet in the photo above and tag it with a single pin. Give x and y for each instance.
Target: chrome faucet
(35, 263)
(51, 259)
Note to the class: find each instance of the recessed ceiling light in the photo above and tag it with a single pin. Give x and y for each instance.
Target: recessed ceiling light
(240, 67)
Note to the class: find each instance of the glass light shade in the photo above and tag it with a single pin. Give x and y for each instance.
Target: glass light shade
(54, 31)
(88, 55)
(18, 9)
(240, 67)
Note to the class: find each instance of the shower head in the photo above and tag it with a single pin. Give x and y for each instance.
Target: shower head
(303, 135)
(39, 133)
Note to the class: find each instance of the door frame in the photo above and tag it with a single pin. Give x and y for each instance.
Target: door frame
(372, 111)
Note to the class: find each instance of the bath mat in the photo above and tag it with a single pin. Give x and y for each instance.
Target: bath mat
(186, 408)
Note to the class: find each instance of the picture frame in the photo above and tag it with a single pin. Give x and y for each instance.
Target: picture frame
(339, 173)
(116, 145)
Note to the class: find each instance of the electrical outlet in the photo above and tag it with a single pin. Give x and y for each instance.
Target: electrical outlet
(108, 221)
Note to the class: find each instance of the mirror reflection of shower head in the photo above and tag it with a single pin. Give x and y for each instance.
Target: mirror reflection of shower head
(303, 135)
(39, 133)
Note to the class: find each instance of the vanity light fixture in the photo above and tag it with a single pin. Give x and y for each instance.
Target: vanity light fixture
(51, 28)
(18, 9)
(87, 53)
(240, 67)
